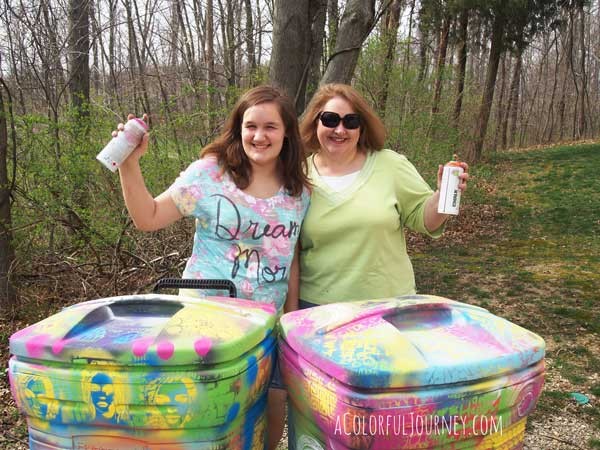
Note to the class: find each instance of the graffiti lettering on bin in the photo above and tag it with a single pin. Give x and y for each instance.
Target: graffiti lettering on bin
(94, 442)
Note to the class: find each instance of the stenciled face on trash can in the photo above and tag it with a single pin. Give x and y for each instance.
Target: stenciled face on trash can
(173, 399)
(102, 393)
(37, 396)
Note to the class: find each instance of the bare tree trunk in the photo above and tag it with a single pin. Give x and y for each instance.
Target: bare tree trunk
(174, 38)
(209, 52)
(488, 93)
(527, 118)
(440, 65)
(357, 21)
(147, 50)
(53, 49)
(390, 35)
(593, 77)
(95, 32)
(136, 59)
(500, 104)
(201, 25)
(7, 292)
(406, 62)
(239, 40)
(514, 96)
(333, 15)
(15, 56)
(79, 47)
(112, 25)
(132, 52)
(476, 60)
(229, 44)
(568, 58)
(544, 78)
(506, 113)
(571, 50)
(318, 15)
(463, 25)
(226, 54)
(423, 44)
(259, 27)
(291, 47)
(549, 124)
(250, 38)
(581, 129)
(190, 49)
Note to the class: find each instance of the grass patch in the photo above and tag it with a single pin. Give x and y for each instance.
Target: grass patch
(552, 401)
(580, 316)
(538, 263)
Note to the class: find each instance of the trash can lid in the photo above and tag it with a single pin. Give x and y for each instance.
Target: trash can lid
(150, 329)
(409, 341)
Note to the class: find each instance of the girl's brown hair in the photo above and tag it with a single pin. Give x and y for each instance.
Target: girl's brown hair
(372, 130)
(230, 153)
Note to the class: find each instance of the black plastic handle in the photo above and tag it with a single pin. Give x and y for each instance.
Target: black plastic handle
(185, 283)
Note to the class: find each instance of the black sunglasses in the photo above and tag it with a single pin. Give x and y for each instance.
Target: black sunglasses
(332, 120)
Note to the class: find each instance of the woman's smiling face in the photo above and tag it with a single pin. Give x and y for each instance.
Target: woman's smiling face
(338, 140)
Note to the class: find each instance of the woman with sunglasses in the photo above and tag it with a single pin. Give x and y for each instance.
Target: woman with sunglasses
(352, 243)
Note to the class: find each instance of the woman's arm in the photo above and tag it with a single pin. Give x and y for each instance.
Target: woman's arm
(433, 219)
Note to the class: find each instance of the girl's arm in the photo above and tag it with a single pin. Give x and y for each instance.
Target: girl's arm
(147, 213)
(291, 301)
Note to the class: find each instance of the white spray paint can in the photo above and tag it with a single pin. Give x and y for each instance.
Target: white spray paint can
(449, 192)
(121, 146)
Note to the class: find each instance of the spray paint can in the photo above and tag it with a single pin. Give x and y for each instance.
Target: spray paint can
(449, 192)
(121, 146)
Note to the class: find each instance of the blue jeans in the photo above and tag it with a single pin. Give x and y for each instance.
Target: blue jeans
(303, 304)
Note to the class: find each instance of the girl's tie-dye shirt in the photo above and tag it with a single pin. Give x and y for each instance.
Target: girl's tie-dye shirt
(239, 237)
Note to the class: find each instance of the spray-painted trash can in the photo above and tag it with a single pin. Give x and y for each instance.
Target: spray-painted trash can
(146, 372)
(413, 372)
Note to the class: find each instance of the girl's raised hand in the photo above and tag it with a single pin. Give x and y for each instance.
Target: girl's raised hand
(139, 151)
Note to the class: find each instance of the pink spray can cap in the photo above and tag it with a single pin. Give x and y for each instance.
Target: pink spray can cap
(140, 122)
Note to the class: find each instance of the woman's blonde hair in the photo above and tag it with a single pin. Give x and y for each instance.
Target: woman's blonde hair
(372, 130)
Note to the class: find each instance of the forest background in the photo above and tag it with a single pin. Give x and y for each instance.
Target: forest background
(473, 77)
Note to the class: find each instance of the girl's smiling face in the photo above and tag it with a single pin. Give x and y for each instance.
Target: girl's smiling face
(263, 134)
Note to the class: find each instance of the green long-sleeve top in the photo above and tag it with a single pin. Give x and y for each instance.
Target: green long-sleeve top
(353, 245)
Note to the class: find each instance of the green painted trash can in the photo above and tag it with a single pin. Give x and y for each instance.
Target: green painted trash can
(146, 372)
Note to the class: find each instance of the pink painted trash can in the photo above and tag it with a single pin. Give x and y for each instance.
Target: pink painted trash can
(413, 372)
